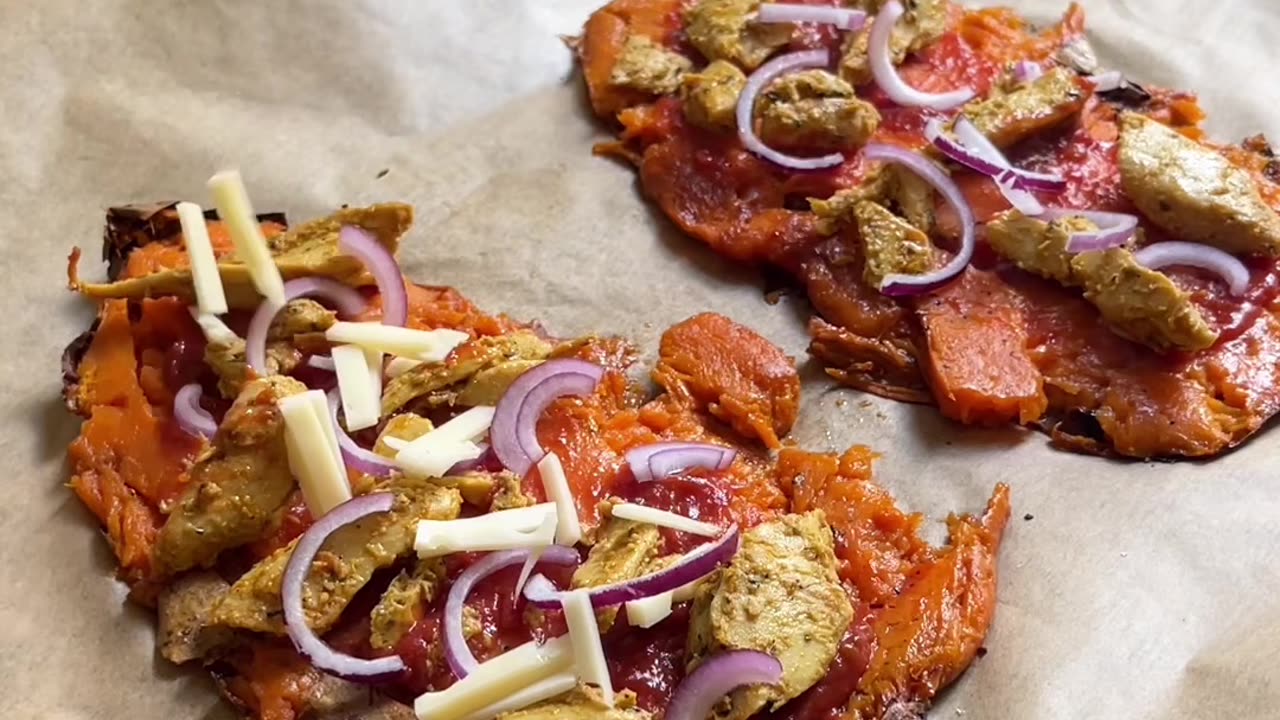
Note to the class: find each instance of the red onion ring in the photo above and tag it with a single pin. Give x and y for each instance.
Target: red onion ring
(514, 432)
(354, 456)
(982, 146)
(692, 567)
(901, 285)
(1026, 71)
(308, 644)
(842, 18)
(461, 661)
(359, 244)
(1223, 264)
(193, 419)
(977, 153)
(886, 75)
(664, 459)
(716, 677)
(1114, 229)
(759, 79)
(346, 300)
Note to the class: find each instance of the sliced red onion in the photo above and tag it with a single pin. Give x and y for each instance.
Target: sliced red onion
(692, 567)
(1114, 229)
(456, 652)
(886, 75)
(354, 456)
(716, 677)
(981, 145)
(842, 18)
(766, 74)
(1223, 264)
(1026, 71)
(193, 419)
(902, 285)
(977, 153)
(664, 459)
(346, 300)
(1107, 81)
(514, 433)
(321, 362)
(378, 260)
(308, 644)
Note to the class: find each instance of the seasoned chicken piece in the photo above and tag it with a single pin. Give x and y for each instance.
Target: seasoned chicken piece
(891, 245)
(924, 22)
(727, 30)
(624, 550)
(509, 494)
(237, 486)
(889, 185)
(476, 488)
(348, 560)
(186, 632)
(711, 96)
(300, 317)
(489, 385)
(647, 66)
(404, 602)
(780, 595)
(1037, 246)
(582, 703)
(1141, 304)
(814, 109)
(1192, 191)
(1046, 102)
(461, 365)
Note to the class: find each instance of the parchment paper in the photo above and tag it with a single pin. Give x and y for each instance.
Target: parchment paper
(1137, 591)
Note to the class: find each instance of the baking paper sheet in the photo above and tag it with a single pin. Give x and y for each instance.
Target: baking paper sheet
(1137, 591)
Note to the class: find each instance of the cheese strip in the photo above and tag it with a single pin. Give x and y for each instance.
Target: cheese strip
(584, 634)
(425, 345)
(557, 684)
(361, 401)
(399, 366)
(232, 201)
(469, 425)
(373, 359)
(527, 527)
(320, 404)
(436, 462)
(556, 485)
(204, 266)
(497, 680)
(433, 453)
(215, 331)
(647, 612)
(662, 518)
(311, 456)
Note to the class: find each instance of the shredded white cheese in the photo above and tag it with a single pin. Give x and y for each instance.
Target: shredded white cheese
(497, 680)
(556, 485)
(312, 450)
(423, 345)
(433, 453)
(662, 518)
(647, 612)
(215, 331)
(527, 527)
(588, 651)
(557, 684)
(398, 366)
(361, 402)
(232, 201)
(435, 462)
(204, 266)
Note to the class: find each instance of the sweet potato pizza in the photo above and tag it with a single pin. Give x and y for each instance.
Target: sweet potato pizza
(347, 495)
(982, 217)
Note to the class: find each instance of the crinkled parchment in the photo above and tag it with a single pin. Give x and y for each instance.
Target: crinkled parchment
(1137, 591)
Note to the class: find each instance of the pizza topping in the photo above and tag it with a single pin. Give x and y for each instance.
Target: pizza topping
(349, 303)
(461, 661)
(718, 676)
(650, 611)
(662, 518)
(314, 455)
(1037, 245)
(761, 78)
(556, 486)
(1224, 265)
(711, 96)
(974, 151)
(361, 401)
(924, 22)
(204, 266)
(728, 30)
(921, 166)
(649, 67)
(842, 18)
(693, 566)
(883, 58)
(1104, 231)
(1193, 191)
(1044, 103)
(584, 634)
(1025, 71)
(354, 456)
(891, 246)
(496, 680)
(1107, 81)
(215, 331)
(520, 528)
(814, 109)
(515, 425)
(232, 200)
(193, 419)
(297, 624)
(754, 604)
(558, 697)
(666, 459)
(428, 345)
(381, 263)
